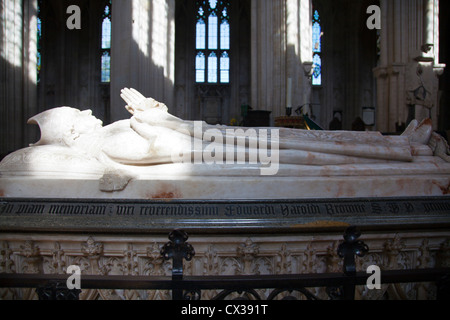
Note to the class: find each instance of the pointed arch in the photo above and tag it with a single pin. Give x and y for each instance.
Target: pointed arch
(212, 59)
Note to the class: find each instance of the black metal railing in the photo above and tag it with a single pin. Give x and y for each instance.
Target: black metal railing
(339, 286)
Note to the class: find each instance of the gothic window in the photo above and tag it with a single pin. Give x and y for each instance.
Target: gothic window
(317, 49)
(212, 60)
(106, 44)
(39, 41)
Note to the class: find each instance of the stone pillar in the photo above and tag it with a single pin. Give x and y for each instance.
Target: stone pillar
(306, 55)
(143, 51)
(18, 76)
(292, 52)
(281, 54)
(407, 82)
(430, 28)
(268, 47)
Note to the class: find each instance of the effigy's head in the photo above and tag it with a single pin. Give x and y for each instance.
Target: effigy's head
(63, 125)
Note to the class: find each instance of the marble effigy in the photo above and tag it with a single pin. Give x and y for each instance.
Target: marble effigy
(155, 155)
(105, 198)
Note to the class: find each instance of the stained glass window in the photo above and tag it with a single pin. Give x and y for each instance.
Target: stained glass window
(201, 35)
(212, 31)
(106, 44)
(200, 67)
(224, 68)
(212, 68)
(212, 61)
(39, 41)
(317, 49)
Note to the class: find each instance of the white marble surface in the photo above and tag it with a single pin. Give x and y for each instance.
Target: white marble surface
(233, 187)
(77, 157)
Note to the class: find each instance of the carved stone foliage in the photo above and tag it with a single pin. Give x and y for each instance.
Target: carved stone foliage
(232, 255)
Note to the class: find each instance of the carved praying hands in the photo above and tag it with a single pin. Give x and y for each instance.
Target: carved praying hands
(148, 111)
(136, 102)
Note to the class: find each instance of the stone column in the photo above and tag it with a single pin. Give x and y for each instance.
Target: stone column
(430, 27)
(409, 61)
(142, 51)
(382, 115)
(268, 47)
(281, 54)
(292, 52)
(306, 56)
(18, 76)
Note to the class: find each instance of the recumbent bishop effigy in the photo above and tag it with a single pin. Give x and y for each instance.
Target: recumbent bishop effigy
(156, 155)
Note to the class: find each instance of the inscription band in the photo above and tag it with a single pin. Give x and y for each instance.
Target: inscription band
(130, 214)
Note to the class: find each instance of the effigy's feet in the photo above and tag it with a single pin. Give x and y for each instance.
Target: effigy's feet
(439, 146)
(419, 133)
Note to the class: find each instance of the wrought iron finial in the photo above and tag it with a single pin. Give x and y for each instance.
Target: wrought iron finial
(178, 249)
(351, 247)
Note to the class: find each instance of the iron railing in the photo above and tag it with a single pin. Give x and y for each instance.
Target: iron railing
(339, 286)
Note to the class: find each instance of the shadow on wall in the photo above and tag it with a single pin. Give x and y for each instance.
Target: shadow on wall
(17, 76)
(144, 60)
(71, 58)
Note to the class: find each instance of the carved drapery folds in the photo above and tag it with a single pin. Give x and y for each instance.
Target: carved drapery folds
(255, 255)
